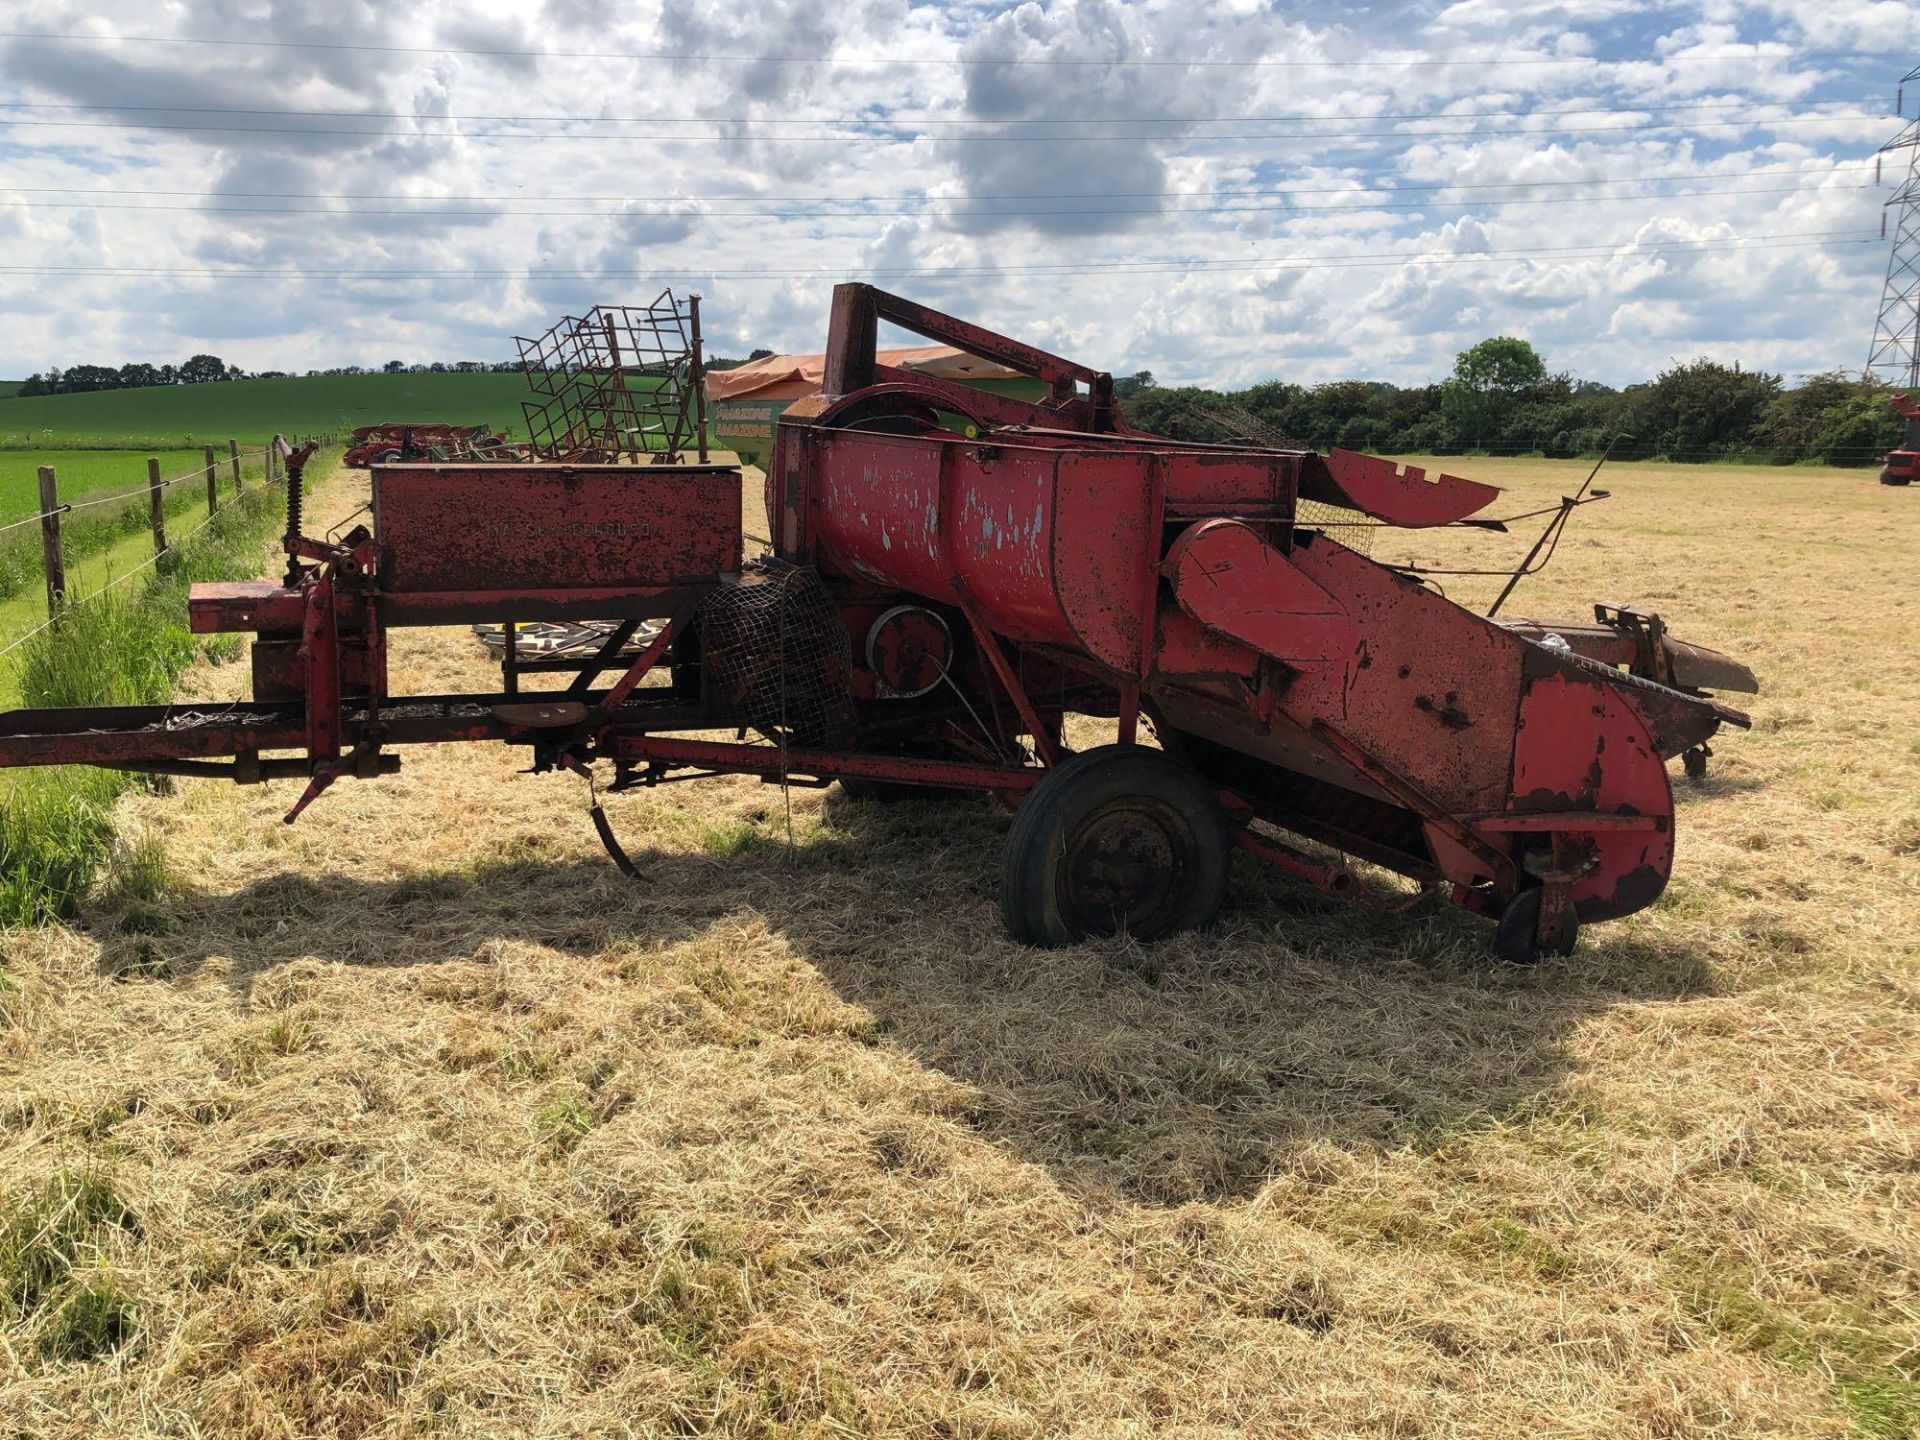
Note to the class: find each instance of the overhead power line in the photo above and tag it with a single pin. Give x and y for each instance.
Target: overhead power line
(1375, 61)
(1361, 204)
(1785, 239)
(892, 121)
(1231, 192)
(1749, 123)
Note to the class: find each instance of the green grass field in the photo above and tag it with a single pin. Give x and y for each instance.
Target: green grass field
(103, 543)
(83, 474)
(254, 410)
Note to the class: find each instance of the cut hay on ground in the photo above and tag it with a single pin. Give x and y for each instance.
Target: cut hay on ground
(415, 1119)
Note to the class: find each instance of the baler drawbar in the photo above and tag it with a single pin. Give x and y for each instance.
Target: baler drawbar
(954, 572)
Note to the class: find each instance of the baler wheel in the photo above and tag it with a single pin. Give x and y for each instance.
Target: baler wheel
(1515, 938)
(1123, 838)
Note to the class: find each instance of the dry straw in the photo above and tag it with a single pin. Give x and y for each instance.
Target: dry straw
(416, 1119)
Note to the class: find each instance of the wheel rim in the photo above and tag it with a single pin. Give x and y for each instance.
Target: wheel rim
(1125, 868)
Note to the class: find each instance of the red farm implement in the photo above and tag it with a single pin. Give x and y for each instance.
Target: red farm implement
(394, 442)
(1900, 465)
(939, 598)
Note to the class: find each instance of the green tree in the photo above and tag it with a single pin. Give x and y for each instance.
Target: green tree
(1700, 410)
(1489, 383)
(203, 370)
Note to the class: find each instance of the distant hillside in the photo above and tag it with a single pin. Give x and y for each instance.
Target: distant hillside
(9, 387)
(254, 410)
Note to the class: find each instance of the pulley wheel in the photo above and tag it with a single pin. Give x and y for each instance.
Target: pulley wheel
(909, 648)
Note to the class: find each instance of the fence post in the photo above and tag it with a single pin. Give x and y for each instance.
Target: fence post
(233, 453)
(55, 562)
(156, 505)
(213, 479)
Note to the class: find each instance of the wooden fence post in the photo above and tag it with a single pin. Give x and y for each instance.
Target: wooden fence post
(156, 505)
(233, 453)
(213, 479)
(54, 560)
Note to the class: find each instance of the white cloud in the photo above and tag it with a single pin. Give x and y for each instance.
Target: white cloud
(1597, 282)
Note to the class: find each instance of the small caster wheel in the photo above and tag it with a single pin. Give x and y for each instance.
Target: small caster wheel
(1516, 937)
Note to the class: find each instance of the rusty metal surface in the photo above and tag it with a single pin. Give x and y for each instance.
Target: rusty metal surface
(554, 527)
(1694, 667)
(1579, 746)
(936, 596)
(1398, 495)
(620, 380)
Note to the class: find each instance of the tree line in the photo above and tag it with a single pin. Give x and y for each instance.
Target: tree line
(1501, 399)
(83, 379)
(201, 369)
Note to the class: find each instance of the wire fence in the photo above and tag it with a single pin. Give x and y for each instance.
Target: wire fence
(231, 464)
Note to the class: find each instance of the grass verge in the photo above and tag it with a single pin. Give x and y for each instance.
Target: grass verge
(124, 647)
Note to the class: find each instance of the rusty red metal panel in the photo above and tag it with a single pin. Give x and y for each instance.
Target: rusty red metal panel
(1203, 483)
(1388, 492)
(1580, 746)
(1434, 691)
(1105, 541)
(1233, 582)
(223, 606)
(554, 527)
(919, 514)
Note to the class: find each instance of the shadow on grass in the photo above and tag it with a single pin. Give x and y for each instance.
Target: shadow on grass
(1160, 1074)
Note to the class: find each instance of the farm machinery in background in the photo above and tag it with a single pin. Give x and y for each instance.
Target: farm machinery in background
(941, 595)
(1901, 464)
(620, 383)
(395, 442)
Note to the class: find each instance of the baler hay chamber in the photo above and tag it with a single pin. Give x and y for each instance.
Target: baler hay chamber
(954, 574)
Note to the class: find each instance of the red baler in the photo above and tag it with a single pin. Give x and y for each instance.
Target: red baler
(953, 573)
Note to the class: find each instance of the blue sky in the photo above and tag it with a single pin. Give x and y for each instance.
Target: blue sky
(1223, 193)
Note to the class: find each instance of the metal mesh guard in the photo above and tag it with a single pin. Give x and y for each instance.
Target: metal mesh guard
(1351, 528)
(778, 656)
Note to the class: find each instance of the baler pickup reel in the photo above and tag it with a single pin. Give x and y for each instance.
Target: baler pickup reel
(956, 572)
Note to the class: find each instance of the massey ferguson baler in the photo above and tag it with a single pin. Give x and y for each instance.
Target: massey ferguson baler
(953, 573)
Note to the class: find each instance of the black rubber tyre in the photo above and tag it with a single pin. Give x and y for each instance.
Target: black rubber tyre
(1514, 937)
(1122, 838)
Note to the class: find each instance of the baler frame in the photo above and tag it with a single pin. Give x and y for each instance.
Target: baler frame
(1157, 580)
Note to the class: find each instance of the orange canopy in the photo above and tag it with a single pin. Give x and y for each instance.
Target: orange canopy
(788, 377)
